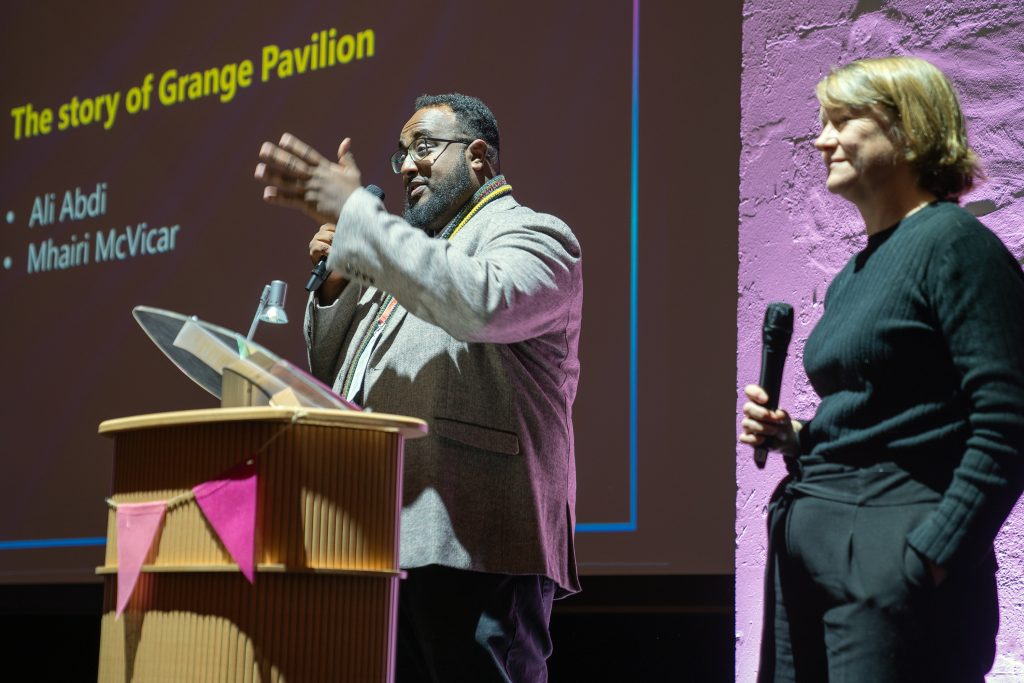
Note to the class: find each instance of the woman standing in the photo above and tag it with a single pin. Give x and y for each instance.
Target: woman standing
(881, 566)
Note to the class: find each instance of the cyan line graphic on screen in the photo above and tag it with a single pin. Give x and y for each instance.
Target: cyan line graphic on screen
(53, 543)
(585, 527)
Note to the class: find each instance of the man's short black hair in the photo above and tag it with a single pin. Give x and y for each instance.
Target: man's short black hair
(471, 113)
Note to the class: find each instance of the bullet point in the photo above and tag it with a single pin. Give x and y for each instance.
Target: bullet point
(10, 216)
(8, 262)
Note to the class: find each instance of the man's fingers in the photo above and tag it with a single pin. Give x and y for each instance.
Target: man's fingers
(272, 195)
(321, 242)
(277, 192)
(345, 150)
(288, 185)
(324, 235)
(284, 162)
(318, 249)
(300, 149)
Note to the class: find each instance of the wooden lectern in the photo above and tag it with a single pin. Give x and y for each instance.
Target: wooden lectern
(324, 603)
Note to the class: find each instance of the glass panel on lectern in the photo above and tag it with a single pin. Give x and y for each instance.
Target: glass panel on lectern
(207, 353)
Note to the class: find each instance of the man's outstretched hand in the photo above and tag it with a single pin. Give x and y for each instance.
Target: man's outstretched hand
(299, 177)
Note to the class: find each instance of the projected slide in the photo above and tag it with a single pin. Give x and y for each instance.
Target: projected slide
(128, 152)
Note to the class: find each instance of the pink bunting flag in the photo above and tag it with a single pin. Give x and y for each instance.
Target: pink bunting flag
(137, 524)
(229, 504)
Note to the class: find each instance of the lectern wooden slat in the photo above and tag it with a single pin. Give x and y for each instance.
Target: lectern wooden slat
(324, 603)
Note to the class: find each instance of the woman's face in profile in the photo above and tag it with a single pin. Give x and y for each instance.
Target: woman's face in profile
(859, 153)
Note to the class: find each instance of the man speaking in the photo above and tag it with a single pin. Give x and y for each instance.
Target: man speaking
(466, 313)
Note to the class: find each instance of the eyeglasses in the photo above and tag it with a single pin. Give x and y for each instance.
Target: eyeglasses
(423, 151)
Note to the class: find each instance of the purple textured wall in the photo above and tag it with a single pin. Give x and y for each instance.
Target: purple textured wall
(795, 236)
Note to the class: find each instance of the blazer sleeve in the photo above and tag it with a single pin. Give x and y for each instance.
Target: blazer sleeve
(520, 283)
(325, 329)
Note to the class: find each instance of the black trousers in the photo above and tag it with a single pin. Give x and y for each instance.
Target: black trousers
(456, 625)
(849, 601)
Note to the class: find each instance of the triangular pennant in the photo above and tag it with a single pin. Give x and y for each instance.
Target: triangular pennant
(229, 504)
(137, 524)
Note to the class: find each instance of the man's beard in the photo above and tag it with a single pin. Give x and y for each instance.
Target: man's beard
(444, 194)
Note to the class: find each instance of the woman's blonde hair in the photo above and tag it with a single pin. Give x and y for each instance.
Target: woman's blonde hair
(922, 110)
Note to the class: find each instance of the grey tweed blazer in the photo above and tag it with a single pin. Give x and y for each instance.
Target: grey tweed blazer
(484, 347)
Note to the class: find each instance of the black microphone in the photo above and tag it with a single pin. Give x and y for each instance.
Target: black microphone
(320, 272)
(775, 336)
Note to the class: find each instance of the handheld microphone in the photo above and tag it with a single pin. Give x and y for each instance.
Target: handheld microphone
(775, 336)
(320, 272)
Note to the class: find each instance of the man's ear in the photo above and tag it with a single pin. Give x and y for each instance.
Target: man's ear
(478, 155)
